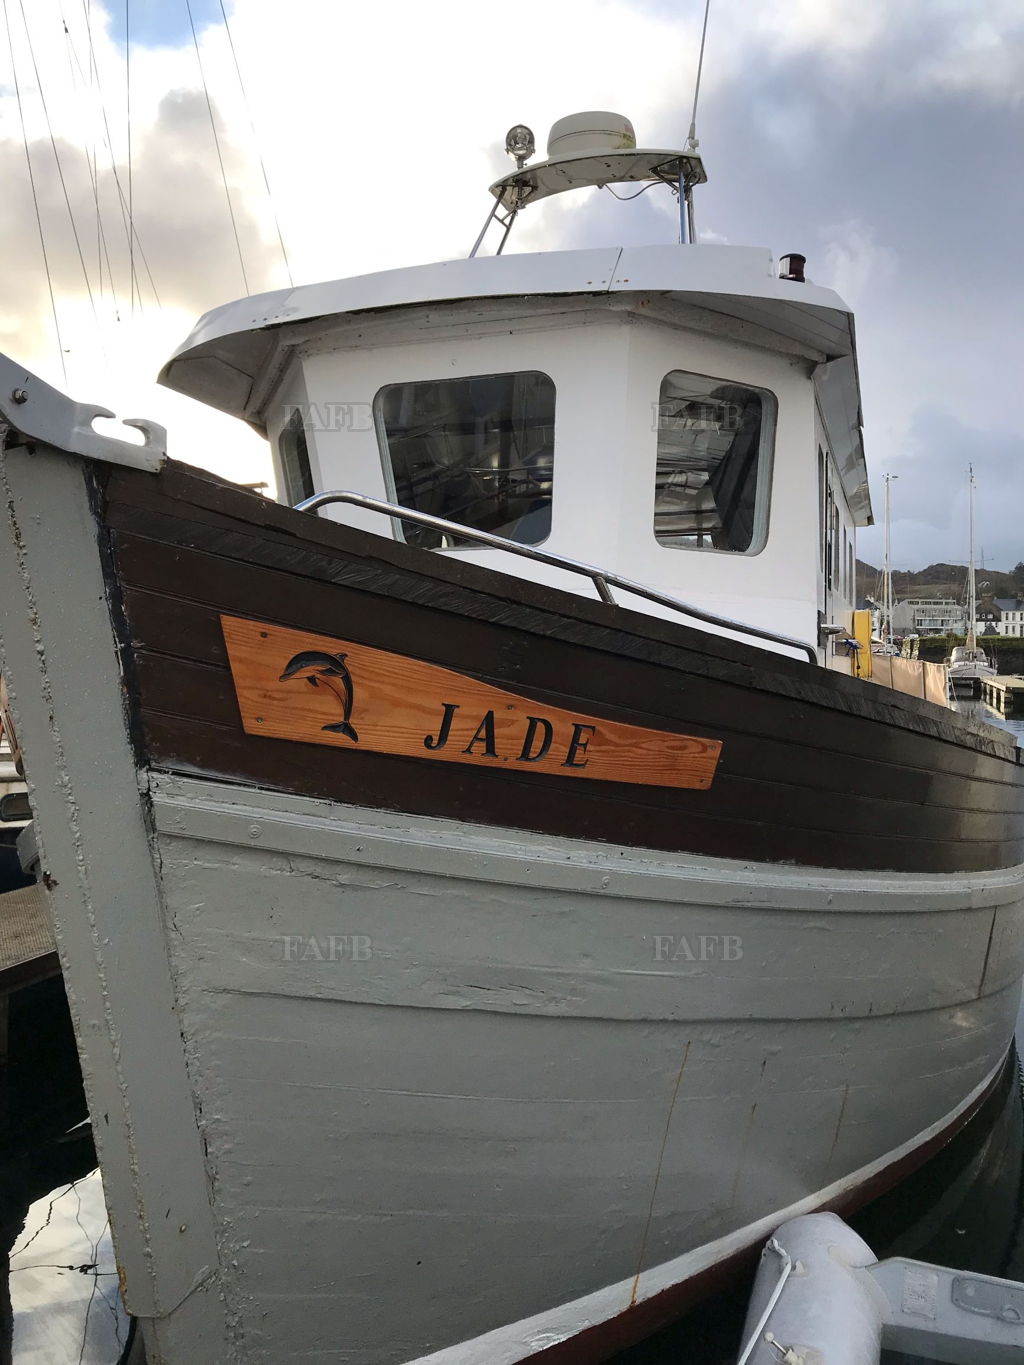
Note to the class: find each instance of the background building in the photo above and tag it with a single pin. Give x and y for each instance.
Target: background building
(1001, 616)
(929, 616)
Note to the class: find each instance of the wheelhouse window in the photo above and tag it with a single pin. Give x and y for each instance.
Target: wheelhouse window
(479, 451)
(295, 467)
(715, 442)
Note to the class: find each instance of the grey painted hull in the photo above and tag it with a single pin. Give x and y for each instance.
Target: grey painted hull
(449, 1082)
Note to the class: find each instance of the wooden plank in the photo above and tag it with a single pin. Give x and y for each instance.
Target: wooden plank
(293, 685)
(786, 776)
(814, 768)
(754, 777)
(500, 651)
(646, 818)
(364, 556)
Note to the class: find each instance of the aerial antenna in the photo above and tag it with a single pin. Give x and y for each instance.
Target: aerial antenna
(687, 228)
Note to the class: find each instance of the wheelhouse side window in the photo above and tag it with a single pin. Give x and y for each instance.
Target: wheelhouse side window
(715, 442)
(295, 467)
(479, 451)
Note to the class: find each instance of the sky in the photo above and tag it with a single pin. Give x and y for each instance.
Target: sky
(881, 138)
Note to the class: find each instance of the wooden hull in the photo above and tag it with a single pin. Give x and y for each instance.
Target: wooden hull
(395, 1057)
(816, 769)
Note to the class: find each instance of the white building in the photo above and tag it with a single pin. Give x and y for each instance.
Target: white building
(929, 616)
(1005, 614)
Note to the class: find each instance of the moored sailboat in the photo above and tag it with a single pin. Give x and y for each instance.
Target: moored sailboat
(968, 664)
(884, 644)
(492, 906)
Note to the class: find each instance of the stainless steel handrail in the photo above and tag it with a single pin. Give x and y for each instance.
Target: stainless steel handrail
(602, 579)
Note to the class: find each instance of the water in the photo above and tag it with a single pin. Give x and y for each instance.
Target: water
(977, 710)
(63, 1281)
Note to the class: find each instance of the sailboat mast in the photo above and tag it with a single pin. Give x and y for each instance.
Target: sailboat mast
(887, 564)
(972, 605)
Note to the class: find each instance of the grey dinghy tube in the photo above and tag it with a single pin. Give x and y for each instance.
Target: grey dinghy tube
(821, 1297)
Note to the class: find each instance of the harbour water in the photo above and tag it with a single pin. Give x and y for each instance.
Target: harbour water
(63, 1281)
(964, 1208)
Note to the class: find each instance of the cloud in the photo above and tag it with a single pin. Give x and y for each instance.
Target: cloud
(875, 138)
(930, 501)
(854, 260)
(179, 200)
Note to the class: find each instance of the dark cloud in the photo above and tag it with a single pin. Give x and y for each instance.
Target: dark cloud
(930, 499)
(904, 188)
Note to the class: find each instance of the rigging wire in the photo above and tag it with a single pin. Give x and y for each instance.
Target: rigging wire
(60, 169)
(216, 141)
(35, 196)
(128, 127)
(255, 136)
(101, 240)
(108, 143)
(92, 165)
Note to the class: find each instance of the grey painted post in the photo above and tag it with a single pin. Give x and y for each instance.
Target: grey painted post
(61, 666)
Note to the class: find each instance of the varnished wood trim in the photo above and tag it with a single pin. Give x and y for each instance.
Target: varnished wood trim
(295, 686)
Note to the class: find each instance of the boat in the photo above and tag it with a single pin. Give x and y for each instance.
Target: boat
(494, 891)
(883, 643)
(968, 664)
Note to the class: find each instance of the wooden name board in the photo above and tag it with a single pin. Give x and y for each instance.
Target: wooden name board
(319, 690)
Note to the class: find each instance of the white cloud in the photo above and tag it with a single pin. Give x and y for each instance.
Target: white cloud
(381, 127)
(854, 261)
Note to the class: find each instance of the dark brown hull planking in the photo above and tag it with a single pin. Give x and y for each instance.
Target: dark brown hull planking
(810, 767)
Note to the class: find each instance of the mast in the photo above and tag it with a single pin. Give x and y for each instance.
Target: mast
(887, 564)
(972, 604)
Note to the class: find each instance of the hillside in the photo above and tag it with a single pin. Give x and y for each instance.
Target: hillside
(939, 580)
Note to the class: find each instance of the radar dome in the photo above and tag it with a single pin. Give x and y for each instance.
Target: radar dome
(594, 133)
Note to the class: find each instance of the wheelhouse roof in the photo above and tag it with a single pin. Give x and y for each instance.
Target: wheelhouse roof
(231, 347)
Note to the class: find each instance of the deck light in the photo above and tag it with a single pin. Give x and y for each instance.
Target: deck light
(520, 143)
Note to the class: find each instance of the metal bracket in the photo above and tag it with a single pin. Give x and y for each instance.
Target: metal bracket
(1001, 1299)
(37, 412)
(506, 223)
(943, 1314)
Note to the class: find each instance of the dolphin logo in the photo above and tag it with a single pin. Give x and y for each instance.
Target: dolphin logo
(328, 670)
